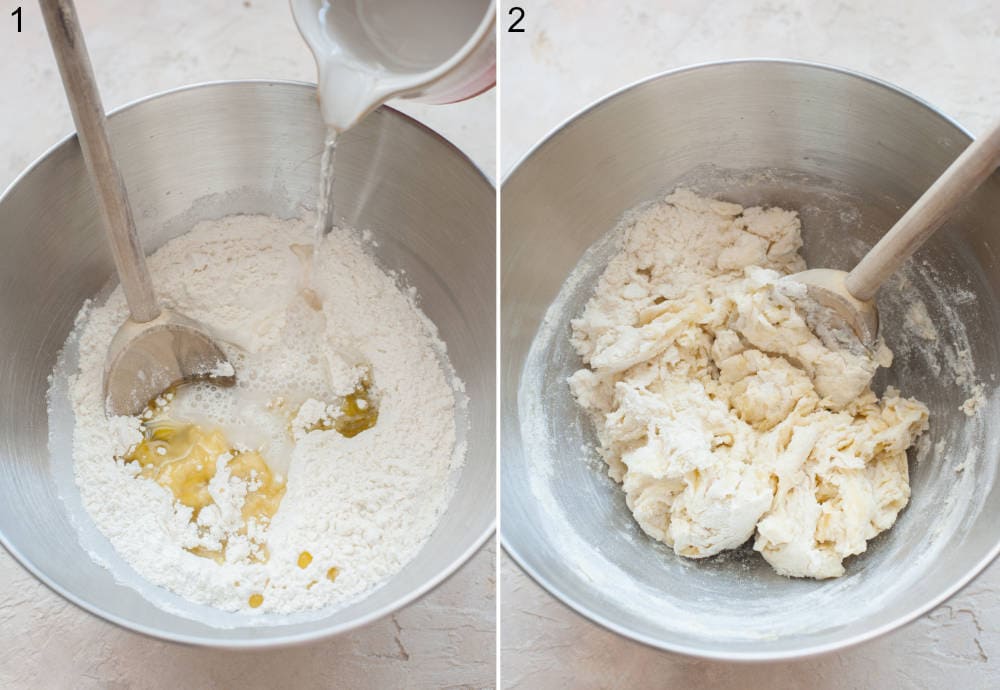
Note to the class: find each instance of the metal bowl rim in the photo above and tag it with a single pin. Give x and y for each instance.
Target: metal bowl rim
(589, 612)
(277, 641)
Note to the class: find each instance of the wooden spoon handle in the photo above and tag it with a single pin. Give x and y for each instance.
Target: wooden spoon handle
(88, 114)
(960, 180)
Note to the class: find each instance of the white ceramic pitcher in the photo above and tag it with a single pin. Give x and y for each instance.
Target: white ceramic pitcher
(369, 51)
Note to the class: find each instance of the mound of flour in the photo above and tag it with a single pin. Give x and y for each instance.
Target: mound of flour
(363, 505)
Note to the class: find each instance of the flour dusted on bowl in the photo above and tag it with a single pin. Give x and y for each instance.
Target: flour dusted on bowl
(315, 478)
(720, 412)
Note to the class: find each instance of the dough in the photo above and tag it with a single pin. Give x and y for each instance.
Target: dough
(718, 409)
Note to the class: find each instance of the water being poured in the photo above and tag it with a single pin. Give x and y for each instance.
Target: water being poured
(324, 209)
(438, 51)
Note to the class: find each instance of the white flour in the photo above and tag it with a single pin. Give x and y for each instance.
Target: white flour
(363, 505)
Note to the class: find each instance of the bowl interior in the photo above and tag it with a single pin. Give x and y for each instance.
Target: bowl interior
(850, 154)
(205, 152)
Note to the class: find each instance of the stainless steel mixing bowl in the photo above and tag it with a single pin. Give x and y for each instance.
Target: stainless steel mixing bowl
(203, 152)
(850, 153)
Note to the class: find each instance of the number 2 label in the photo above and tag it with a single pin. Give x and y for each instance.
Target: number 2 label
(517, 12)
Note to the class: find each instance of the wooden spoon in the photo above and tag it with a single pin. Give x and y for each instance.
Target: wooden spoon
(851, 296)
(155, 348)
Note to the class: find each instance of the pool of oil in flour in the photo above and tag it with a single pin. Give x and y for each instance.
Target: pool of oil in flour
(185, 459)
(188, 459)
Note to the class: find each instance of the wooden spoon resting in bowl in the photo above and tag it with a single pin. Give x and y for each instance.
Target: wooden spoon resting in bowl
(851, 296)
(155, 348)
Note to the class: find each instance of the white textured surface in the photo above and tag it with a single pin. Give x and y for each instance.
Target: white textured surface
(447, 638)
(576, 51)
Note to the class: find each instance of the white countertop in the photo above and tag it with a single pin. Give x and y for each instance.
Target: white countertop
(445, 639)
(572, 53)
